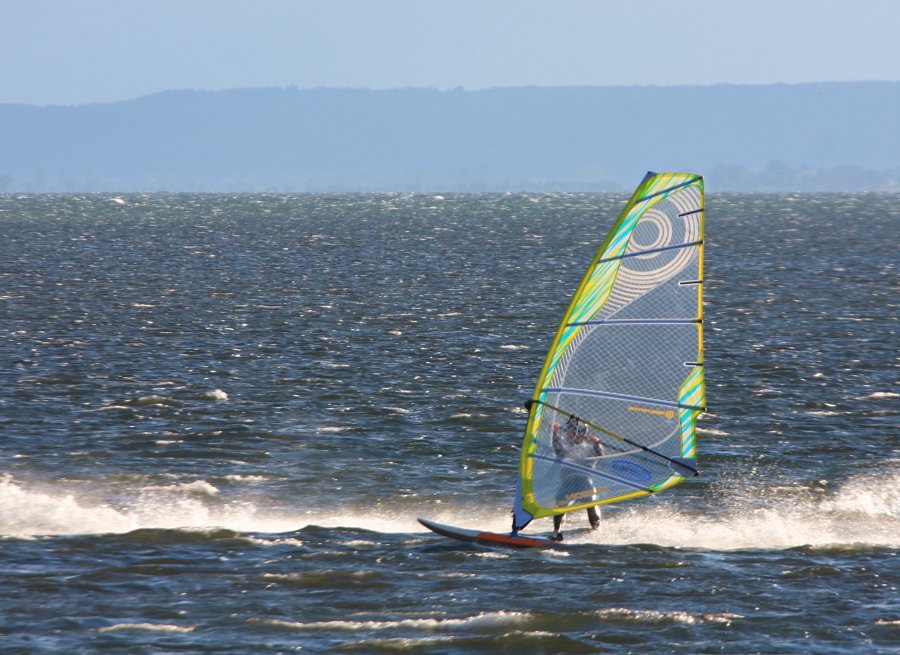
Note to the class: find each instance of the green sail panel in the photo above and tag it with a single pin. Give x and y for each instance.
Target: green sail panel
(613, 413)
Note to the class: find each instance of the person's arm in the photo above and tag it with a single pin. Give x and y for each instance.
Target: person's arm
(558, 448)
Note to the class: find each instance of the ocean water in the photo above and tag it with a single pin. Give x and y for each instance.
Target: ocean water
(221, 416)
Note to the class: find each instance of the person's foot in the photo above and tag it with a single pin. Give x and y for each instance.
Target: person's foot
(556, 536)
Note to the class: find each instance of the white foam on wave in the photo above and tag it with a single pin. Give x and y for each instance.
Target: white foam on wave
(201, 487)
(626, 615)
(712, 432)
(863, 510)
(485, 620)
(151, 627)
(153, 399)
(879, 395)
(216, 394)
(33, 509)
(36, 508)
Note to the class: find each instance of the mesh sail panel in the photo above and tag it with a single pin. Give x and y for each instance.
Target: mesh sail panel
(612, 416)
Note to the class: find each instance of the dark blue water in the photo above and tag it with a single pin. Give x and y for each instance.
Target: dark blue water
(221, 415)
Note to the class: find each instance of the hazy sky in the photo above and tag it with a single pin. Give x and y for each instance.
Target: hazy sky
(74, 52)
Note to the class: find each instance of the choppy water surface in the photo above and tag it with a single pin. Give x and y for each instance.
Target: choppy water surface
(222, 414)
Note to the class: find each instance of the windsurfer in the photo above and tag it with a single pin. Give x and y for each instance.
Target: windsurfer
(574, 444)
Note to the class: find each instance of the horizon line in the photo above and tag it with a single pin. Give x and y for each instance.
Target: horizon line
(448, 90)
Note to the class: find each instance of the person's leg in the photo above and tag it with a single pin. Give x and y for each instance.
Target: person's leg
(593, 517)
(557, 524)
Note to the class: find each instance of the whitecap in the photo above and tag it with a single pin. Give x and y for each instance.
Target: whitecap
(216, 394)
(482, 620)
(200, 487)
(256, 541)
(665, 616)
(55, 509)
(107, 408)
(399, 410)
(713, 432)
(152, 627)
(234, 477)
(153, 399)
(879, 395)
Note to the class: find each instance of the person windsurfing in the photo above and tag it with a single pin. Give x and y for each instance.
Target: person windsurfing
(575, 445)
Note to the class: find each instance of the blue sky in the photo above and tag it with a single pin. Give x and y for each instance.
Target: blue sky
(75, 52)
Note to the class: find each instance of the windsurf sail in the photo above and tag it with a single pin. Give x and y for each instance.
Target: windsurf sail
(613, 413)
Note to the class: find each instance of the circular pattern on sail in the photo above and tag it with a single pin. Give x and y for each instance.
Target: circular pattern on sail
(651, 221)
(640, 271)
(672, 222)
(667, 262)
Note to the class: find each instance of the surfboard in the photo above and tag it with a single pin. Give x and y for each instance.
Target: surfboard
(507, 540)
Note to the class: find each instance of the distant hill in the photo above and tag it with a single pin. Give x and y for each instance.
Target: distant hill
(806, 137)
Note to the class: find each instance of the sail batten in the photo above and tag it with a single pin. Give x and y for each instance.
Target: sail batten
(641, 253)
(627, 356)
(641, 321)
(618, 396)
(669, 190)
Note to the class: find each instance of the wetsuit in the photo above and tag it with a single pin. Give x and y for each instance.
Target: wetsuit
(575, 445)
